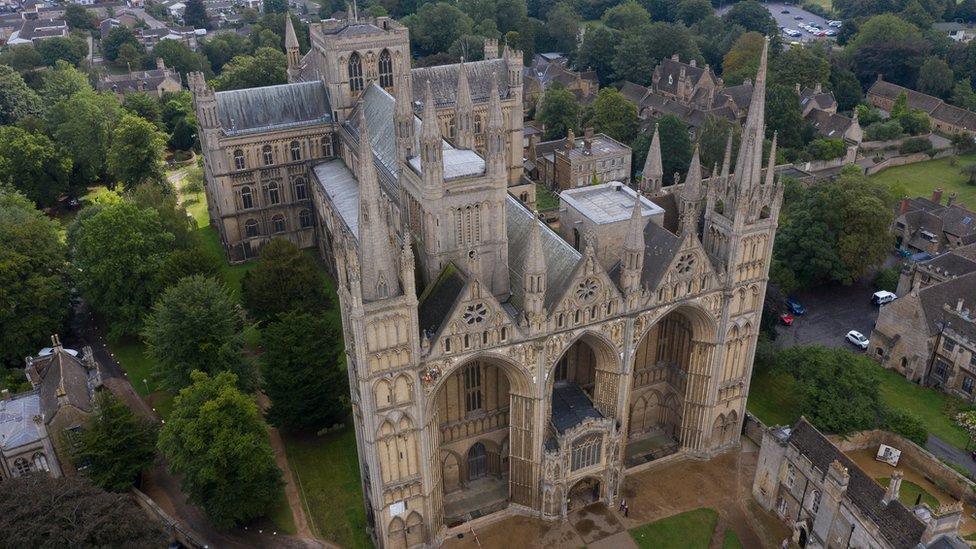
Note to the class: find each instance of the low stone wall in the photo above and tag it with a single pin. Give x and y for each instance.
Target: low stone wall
(753, 429)
(914, 457)
(907, 159)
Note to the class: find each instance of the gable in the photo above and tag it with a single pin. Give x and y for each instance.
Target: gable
(587, 295)
(688, 273)
(476, 320)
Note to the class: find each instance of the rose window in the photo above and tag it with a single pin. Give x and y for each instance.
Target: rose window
(685, 263)
(587, 289)
(475, 314)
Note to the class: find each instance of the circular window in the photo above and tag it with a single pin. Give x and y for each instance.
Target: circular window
(685, 263)
(475, 314)
(586, 291)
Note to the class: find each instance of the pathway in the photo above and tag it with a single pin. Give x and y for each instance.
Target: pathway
(949, 453)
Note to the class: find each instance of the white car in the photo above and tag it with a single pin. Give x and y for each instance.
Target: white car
(882, 297)
(792, 32)
(857, 339)
(835, 24)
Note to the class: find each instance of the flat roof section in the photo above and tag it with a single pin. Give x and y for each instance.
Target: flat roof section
(608, 202)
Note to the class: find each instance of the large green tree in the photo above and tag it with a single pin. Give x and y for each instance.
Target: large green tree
(30, 163)
(17, 101)
(614, 115)
(136, 153)
(558, 110)
(196, 326)
(752, 16)
(846, 88)
(116, 39)
(41, 511)
(223, 47)
(63, 81)
(713, 136)
(690, 12)
(806, 66)
(642, 48)
(70, 49)
(116, 445)
(172, 215)
(596, 52)
(80, 18)
(195, 15)
(217, 442)
(627, 15)
(82, 126)
(887, 44)
(179, 57)
(33, 288)
(436, 26)
(675, 146)
(563, 27)
(783, 115)
(303, 373)
(285, 279)
(741, 62)
(935, 77)
(265, 68)
(117, 249)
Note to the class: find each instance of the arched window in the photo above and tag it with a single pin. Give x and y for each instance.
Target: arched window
(327, 145)
(296, 151)
(477, 124)
(266, 155)
(815, 502)
(472, 388)
(239, 159)
(451, 128)
(278, 223)
(250, 228)
(586, 452)
(22, 466)
(247, 199)
(305, 218)
(477, 461)
(40, 462)
(386, 69)
(355, 72)
(301, 193)
(274, 196)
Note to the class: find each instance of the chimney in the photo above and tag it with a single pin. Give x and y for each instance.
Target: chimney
(904, 206)
(817, 88)
(56, 343)
(959, 305)
(588, 139)
(951, 200)
(693, 62)
(675, 57)
(937, 196)
(160, 64)
(894, 486)
(570, 139)
(797, 88)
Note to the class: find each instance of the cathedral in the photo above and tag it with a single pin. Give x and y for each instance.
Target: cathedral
(495, 366)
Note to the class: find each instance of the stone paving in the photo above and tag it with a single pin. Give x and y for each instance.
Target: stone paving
(723, 484)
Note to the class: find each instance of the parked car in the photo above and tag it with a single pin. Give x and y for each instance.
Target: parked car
(857, 339)
(830, 32)
(835, 24)
(882, 297)
(798, 17)
(785, 11)
(786, 319)
(794, 307)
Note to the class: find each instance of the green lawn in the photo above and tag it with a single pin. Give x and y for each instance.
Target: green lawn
(909, 491)
(689, 530)
(771, 399)
(545, 199)
(326, 470)
(281, 515)
(922, 178)
(131, 355)
(731, 540)
(826, 4)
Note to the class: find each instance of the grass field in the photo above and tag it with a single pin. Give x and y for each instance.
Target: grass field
(689, 530)
(770, 400)
(731, 540)
(326, 470)
(826, 4)
(922, 178)
(910, 491)
(545, 199)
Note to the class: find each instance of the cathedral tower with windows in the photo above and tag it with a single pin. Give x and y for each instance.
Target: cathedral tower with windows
(494, 366)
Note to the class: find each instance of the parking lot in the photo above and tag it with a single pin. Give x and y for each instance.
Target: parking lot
(789, 21)
(832, 311)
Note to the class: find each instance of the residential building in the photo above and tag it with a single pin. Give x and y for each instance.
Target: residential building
(828, 501)
(958, 32)
(548, 68)
(945, 118)
(33, 30)
(155, 82)
(578, 161)
(493, 367)
(926, 225)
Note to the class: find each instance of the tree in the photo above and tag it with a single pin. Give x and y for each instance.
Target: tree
(626, 16)
(752, 16)
(184, 135)
(675, 146)
(596, 52)
(143, 105)
(36, 510)
(285, 279)
(888, 45)
(136, 153)
(71, 49)
(509, 14)
(783, 115)
(115, 445)
(216, 440)
(62, 82)
(16, 99)
(436, 26)
(916, 14)
(195, 260)
(195, 15)
(806, 66)
(275, 6)
(692, 11)
(30, 163)
(963, 95)
(117, 38)
(742, 60)
(935, 77)
(558, 111)
(883, 131)
(303, 373)
(172, 215)
(836, 231)
(713, 136)
(82, 126)
(826, 149)
(614, 115)
(117, 250)
(22, 58)
(642, 48)
(179, 57)
(196, 326)
(223, 47)
(266, 67)
(914, 121)
(563, 27)
(846, 88)
(33, 285)
(79, 18)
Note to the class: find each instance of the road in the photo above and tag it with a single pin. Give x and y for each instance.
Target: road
(947, 452)
(789, 20)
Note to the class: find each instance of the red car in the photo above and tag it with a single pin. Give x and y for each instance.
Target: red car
(786, 319)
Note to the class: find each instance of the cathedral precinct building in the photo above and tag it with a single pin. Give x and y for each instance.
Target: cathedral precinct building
(494, 366)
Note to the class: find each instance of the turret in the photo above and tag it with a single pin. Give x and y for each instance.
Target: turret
(404, 119)
(205, 100)
(633, 250)
(431, 152)
(495, 139)
(691, 195)
(534, 276)
(491, 49)
(652, 178)
(464, 112)
(379, 275)
(292, 50)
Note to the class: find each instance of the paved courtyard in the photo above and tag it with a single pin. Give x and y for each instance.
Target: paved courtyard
(832, 311)
(723, 484)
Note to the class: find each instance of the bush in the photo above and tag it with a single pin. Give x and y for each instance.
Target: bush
(907, 425)
(826, 149)
(915, 145)
(887, 279)
(883, 131)
(817, 9)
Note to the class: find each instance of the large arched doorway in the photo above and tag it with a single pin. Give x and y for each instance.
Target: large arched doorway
(583, 493)
(583, 383)
(472, 411)
(670, 373)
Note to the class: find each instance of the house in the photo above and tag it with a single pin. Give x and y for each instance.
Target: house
(155, 82)
(36, 427)
(33, 30)
(925, 225)
(958, 32)
(945, 118)
(579, 161)
(548, 68)
(828, 501)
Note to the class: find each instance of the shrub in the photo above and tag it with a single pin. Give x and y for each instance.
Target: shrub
(883, 131)
(907, 425)
(887, 279)
(915, 145)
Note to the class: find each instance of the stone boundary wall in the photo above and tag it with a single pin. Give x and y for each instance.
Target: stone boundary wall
(171, 525)
(907, 159)
(753, 429)
(914, 456)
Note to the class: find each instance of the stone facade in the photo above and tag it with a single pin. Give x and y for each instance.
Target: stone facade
(491, 364)
(580, 161)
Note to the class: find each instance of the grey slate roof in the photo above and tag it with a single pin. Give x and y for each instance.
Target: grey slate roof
(444, 79)
(380, 107)
(570, 406)
(341, 187)
(273, 107)
(17, 426)
(61, 372)
(561, 258)
(948, 293)
(898, 525)
(660, 245)
(951, 263)
(439, 298)
(830, 125)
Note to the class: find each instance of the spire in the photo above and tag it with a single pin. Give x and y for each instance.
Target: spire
(291, 39)
(407, 267)
(431, 151)
(653, 175)
(748, 165)
(633, 250)
(379, 276)
(727, 159)
(771, 165)
(292, 51)
(691, 195)
(534, 276)
(404, 120)
(464, 115)
(496, 131)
